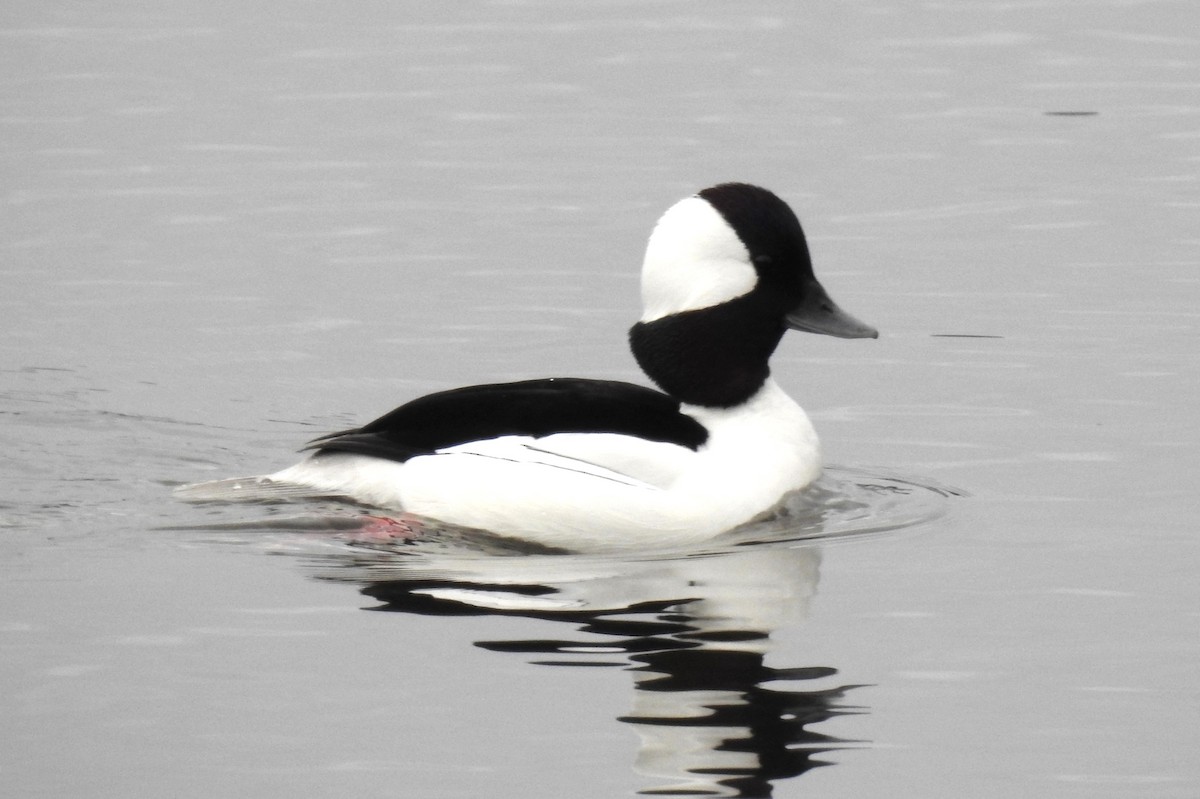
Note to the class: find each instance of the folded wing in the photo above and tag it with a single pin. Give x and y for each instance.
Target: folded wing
(532, 408)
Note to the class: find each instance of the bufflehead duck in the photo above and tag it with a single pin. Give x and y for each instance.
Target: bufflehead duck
(586, 464)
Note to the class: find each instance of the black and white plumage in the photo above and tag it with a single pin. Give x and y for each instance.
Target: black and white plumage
(595, 464)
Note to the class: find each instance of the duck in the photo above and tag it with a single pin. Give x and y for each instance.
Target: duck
(582, 464)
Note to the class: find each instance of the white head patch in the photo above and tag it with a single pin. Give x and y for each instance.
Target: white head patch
(693, 260)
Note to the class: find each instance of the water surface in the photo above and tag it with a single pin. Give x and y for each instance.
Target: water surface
(229, 229)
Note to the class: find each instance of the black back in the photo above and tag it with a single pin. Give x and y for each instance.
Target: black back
(531, 407)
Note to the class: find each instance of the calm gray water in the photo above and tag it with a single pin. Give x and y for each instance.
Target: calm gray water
(227, 229)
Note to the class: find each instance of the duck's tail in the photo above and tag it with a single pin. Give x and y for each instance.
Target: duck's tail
(250, 489)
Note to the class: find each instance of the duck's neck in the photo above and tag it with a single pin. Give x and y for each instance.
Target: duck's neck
(714, 357)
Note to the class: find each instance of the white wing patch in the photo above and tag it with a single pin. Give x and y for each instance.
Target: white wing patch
(628, 460)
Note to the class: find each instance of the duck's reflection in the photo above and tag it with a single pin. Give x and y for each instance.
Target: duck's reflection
(712, 717)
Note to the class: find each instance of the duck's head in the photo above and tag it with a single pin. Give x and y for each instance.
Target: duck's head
(726, 272)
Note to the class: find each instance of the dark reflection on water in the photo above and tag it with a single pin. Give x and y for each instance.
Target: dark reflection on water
(693, 629)
(712, 717)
